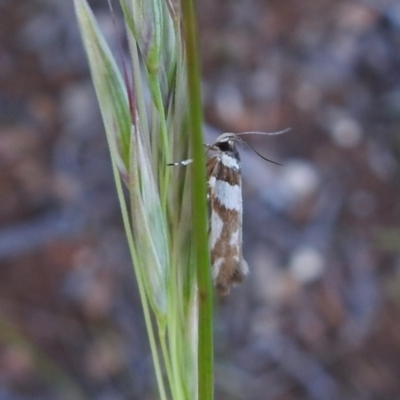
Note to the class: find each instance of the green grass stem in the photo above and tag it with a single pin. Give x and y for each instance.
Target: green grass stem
(204, 282)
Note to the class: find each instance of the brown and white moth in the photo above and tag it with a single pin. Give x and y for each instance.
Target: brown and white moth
(226, 210)
(225, 199)
(224, 182)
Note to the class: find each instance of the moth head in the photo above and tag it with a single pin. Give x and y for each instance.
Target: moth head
(226, 142)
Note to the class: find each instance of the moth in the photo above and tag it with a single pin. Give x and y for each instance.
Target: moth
(224, 182)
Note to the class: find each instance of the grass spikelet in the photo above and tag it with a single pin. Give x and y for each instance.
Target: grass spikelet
(148, 125)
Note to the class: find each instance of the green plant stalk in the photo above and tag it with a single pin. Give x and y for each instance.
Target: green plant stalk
(178, 381)
(166, 358)
(205, 288)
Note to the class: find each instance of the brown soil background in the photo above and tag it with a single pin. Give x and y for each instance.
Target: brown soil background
(319, 316)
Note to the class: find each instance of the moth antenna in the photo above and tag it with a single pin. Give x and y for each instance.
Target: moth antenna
(260, 155)
(263, 133)
(239, 139)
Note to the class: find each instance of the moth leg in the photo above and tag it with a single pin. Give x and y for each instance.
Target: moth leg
(181, 163)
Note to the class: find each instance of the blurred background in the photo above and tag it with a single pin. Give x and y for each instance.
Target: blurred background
(319, 316)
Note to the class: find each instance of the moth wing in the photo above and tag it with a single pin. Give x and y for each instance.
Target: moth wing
(212, 167)
(225, 200)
